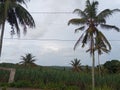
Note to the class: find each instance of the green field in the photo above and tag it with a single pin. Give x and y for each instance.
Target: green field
(57, 78)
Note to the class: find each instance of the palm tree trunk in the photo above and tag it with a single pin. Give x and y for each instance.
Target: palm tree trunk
(3, 25)
(99, 66)
(1, 38)
(93, 71)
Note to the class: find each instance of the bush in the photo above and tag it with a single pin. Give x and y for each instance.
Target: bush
(20, 84)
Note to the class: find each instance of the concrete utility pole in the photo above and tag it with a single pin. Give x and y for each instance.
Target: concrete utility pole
(12, 73)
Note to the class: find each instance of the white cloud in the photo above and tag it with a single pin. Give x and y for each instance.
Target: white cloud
(54, 26)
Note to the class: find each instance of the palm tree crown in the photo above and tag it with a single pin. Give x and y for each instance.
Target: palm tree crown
(28, 60)
(76, 65)
(89, 21)
(14, 13)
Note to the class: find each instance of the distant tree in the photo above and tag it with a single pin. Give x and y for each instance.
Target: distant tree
(112, 66)
(76, 65)
(87, 68)
(28, 60)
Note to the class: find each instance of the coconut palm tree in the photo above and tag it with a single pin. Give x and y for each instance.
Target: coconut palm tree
(76, 65)
(89, 21)
(100, 47)
(14, 13)
(28, 60)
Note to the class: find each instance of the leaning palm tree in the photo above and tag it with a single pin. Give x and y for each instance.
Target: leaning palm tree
(76, 65)
(89, 21)
(28, 60)
(13, 12)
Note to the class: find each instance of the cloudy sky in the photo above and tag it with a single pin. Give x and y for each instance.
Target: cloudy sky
(52, 41)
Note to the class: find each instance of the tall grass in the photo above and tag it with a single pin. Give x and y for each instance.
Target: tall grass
(60, 79)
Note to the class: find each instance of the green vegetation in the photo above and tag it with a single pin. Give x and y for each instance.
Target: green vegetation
(58, 78)
(13, 12)
(76, 65)
(28, 60)
(62, 78)
(112, 66)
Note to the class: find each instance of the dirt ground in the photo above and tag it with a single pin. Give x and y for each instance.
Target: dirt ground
(21, 89)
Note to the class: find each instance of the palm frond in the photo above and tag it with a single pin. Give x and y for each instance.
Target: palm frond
(94, 7)
(1, 13)
(24, 16)
(23, 2)
(91, 9)
(77, 21)
(85, 38)
(12, 20)
(106, 13)
(115, 10)
(78, 41)
(99, 20)
(88, 50)
(105, 26)
(80, 29)
(87, 3)
(106, 42)
(80, 13)
(105, 50)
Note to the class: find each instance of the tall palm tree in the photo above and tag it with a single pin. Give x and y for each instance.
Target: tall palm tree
(28, 60)
(76, 65)
(13, 12)
(89, 21)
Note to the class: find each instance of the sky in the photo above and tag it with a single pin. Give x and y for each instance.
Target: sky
(52, 41)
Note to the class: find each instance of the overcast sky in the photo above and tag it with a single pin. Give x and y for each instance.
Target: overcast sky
(54, 26)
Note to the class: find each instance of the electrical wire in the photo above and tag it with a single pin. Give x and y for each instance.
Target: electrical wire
(52, 12)
(46, 39)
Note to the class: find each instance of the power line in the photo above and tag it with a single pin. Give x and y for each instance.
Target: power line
(52, 12)
(46, 39)
(39, 39)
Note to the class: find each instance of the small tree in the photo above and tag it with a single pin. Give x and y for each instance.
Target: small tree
(28, 60)
(76, 65)
(112, 66)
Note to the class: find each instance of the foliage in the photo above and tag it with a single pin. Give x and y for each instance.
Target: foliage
(59, 79)
(5, 75)
(89, 21)
(14, 13)
(4, 88)
(76, 65)
(112, 66)
(28, 60)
